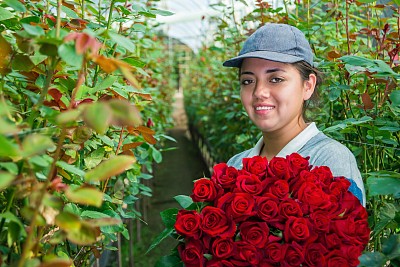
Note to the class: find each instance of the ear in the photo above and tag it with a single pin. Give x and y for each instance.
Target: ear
(309, 86)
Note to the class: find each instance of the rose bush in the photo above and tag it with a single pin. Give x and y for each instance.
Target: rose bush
(285, 213)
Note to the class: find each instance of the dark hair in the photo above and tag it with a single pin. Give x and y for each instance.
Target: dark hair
(305, 70)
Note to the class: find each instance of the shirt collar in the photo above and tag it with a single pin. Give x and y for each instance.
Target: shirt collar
(293, 146)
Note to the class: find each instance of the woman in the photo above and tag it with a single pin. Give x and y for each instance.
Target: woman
(276, 77)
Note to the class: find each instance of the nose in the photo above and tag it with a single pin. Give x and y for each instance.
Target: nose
(261, 90)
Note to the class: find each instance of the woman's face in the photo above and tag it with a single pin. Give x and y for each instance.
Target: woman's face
(273, 94)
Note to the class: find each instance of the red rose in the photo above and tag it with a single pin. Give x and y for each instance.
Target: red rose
(285, 214)
(223, 248)
(279, 167)
(349, 203)
(333, 241)
(314, 256)
(312, 195)
(275, 252)
(362, 231)
(289, 207)
(324, 174)
(321, 221)
(294, 255)
(238, 206)
(352, 253)
(256, 165)
(207, 241)
(265, 263)
(338, 187)
(280, 189)
(219, 170)
(346, 229)
(224, 175)
(214, 222)
(297, 163)
(336, 258)
(351, 231)
(296, 229)
(247, 255)
(192, 253)
(359, 213)
(308, 176)
(298, 181)
(205, 190)
(267, 208)
(255, 233)
(249, 184)
(188, 223)
(219, 263)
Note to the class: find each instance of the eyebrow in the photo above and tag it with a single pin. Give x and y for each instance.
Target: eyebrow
(268, 71)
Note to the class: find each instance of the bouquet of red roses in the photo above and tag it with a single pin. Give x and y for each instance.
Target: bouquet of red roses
(277, 213)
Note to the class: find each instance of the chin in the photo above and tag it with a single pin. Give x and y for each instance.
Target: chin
(265, 128)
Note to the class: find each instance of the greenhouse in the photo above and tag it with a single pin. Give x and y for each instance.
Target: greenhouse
(203, 133)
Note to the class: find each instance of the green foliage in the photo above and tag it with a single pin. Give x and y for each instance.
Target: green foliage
(356, 44)
(83, 108)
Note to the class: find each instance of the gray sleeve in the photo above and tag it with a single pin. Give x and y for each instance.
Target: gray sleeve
(341, 162)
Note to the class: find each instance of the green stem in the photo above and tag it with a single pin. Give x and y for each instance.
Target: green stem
(28, 241)
(51, 174)
(121, 139)
(349, 103)
(347, 28)
(286, 9)
(110, 14)
(49, 77)
(79, 82)
(2, 99)
(58, 22)
(83, 9)
(344, 107)
(262, 13)
(365, 161)
(9, 203)
(99, 15)
(97, 69)
(233, 17)
(375, 212)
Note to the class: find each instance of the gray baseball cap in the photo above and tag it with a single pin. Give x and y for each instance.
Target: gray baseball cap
(276, 42)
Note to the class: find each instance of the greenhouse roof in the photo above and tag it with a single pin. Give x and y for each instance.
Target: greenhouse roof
(191, 22)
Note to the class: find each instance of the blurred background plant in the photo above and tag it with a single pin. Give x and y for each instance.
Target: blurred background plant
(356, 44)
(84, 107)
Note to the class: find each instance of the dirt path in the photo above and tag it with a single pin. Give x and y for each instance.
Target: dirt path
(173, 176)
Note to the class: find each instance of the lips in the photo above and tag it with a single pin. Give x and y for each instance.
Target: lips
(264, 107)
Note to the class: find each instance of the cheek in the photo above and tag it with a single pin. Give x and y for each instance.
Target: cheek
(246, 98)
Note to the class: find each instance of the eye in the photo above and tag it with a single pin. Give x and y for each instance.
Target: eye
(276, 80)
(246, 82)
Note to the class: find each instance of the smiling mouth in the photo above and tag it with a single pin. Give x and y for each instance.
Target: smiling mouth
(264, 108)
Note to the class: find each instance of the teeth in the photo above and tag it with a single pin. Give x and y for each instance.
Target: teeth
(264, 108)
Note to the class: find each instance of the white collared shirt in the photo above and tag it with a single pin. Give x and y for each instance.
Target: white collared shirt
(293, 146)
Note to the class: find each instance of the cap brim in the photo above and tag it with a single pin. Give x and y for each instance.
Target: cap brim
(273, 56)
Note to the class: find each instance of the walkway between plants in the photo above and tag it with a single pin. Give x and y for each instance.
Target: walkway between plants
(173, 176)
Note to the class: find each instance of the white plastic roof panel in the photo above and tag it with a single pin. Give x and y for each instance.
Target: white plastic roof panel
(190, 23)
(191, 20)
